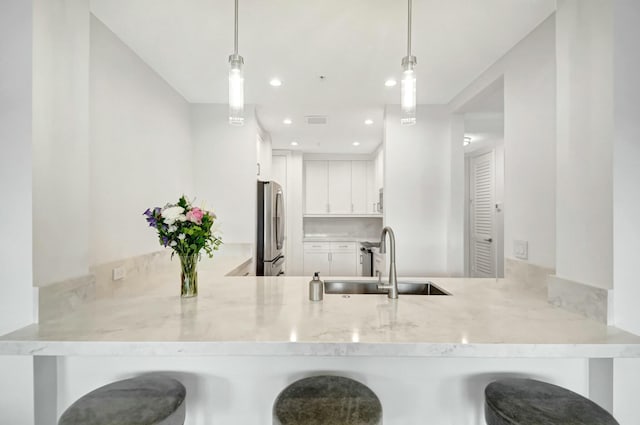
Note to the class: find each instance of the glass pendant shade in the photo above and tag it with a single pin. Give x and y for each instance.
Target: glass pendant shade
(408, 95)
(236, 90)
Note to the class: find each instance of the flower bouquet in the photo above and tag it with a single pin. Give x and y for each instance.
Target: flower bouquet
(187, 230)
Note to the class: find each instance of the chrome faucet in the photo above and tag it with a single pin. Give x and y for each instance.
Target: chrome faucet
(392, 286)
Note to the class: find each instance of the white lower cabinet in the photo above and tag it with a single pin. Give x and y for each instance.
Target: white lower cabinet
(343, 264)
(330, 258)
(317, 262)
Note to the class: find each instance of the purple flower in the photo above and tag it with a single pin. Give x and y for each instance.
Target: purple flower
(147, 212)
(165, 241)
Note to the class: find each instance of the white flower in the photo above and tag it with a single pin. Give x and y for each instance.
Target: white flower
(173, 243)
(171, 214)
(181, 236)
(172, 228)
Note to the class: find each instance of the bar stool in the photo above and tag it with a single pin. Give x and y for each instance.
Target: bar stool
(145, 400)
(530, 402)
(327, 400)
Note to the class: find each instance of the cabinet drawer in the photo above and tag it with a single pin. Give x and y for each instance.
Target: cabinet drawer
(343, 246)
(317, 246)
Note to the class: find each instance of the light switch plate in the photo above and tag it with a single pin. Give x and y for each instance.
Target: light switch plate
(119, 273)
(521, 249)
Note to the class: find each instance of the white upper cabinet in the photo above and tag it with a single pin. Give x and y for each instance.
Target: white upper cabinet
(316, 187)
(379, 170)
(359, 188)
(340, 187)
(263, 152)
(372, 188)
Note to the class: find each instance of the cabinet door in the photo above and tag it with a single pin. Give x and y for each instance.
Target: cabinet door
(340, 187)
(359, 187)
(317, 262)
(379, 177)
(373, 194)
(344, 263)
(316, 194)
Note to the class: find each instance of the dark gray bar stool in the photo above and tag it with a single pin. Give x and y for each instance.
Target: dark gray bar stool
(145, 400)
(530, 402)
(327, 400)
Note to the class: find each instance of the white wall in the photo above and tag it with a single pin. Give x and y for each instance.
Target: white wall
(294, 175)
(264, 152)
(456, 209)
(585, 147)
(529, 139)
(287, 169)
(141, 150)
(241, 390)
(60, 140)
(626, 166)
(224, 164)
(16, 28)
(417, 189)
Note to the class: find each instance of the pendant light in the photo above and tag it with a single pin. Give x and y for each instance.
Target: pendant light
(408, 97)
(236, 80)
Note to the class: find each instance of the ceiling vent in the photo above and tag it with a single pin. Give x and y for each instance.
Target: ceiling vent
(316, 119)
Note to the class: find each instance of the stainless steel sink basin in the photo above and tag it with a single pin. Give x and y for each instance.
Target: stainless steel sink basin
(371, 287)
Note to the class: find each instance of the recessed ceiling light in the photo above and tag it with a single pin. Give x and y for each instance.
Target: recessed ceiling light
(390, 82)
(275, 82)
(294, 143)
(356, 143)
(368, 122)
(287, 121)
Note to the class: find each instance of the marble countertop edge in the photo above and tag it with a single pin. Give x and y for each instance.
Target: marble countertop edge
(318, 349)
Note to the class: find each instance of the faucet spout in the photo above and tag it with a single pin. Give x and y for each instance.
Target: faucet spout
(392, 286)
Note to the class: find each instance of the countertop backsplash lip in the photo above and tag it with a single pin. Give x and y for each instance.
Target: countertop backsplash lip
(62, 298)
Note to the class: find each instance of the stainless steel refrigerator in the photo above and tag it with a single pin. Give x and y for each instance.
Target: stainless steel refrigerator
(271, 225)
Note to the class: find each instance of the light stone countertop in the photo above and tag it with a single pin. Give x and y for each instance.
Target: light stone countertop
(273, 316)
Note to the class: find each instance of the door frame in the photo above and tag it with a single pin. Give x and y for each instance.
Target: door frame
(498, 233)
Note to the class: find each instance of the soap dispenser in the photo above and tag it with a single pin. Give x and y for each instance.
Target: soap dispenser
(316, 288)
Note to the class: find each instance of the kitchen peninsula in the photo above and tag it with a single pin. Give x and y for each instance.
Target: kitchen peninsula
(273, 316)
(244, 338)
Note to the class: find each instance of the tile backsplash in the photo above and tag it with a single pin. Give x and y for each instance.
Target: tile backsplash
(358, 227)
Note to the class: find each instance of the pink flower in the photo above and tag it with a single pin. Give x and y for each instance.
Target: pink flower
(195, 215)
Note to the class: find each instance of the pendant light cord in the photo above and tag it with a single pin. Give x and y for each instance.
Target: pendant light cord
(235, 35)
(408, 30)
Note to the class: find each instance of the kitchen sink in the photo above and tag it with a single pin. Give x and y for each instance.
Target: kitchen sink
(371, 287)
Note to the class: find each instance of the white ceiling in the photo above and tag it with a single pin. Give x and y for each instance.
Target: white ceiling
(355, 44)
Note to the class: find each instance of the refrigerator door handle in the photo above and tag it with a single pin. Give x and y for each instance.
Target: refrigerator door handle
(278, 262)
(279, 220)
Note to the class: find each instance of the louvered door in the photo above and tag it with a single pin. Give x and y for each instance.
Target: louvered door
(483, 253)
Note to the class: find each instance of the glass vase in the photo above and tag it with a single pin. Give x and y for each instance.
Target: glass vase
(189, 275)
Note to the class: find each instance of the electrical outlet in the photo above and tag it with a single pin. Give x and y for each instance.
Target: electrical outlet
(521, 249)
(119, 273)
